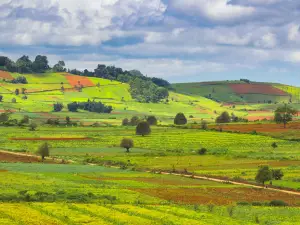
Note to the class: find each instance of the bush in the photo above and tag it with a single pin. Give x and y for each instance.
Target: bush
(43, 150)
(32, 126)
(204, 125)
(180, 119)
(277, 174)
(152, 120)
(202, 151)
(58, 107)
(134, 121)
(223, 118)
(278, 203)
(274, 145)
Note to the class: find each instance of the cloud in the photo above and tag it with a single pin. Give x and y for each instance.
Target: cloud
(215, 10)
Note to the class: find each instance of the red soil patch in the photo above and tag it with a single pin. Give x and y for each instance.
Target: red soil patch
(9, 110)
(219, 196)
(50, 139)
(256, 89)
(253, 118)
(73, 80)
(6, 75)
(7, 157)
(259, 127)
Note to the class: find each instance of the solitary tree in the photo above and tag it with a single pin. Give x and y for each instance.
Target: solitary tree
(125, 122)
(68, 120)
(43, 150)
(263, 174)
(204, 125)
(143, 128)
(223, 118)
(32, 127)
(17, 91)
(1, 98)
(126, 143)
(152, 120)
(284, 114)
(180, 119)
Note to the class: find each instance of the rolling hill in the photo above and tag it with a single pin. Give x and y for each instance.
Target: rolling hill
(199, 101)
(241, 91)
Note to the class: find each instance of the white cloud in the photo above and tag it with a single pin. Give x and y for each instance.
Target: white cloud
(216, 10)
(268, 40)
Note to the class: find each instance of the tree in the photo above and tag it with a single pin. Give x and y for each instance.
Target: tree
(134, 121)
(40, 64)
(73, 107)
(126, 143)
(4, 117)
(1, 98)
(125, 122)
(44, 151)
(25, 119)
(277, 174)
(58, 107)
(32, 126)
(202, 151)
(204, 125)
(263, 174)
(152, 120)
(17, 91)
(284, 114)
(223, 118)
(59, 67)
(180, 119)
(143, 128)
(68, 120)
(24, 65)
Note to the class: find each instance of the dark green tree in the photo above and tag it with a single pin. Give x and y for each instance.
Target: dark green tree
(143, 128)
(180, 119)
(17, 91)
(126, 143)
(68, 120)
(284, 114)
(152, 120)
(263, 174)
(24, 65)
(59, 67)
(32, 126)
(223, 118)
(277, 174)
(58, 107)
(40, 64)
(134, 121)
(1, 98)
(125, 122)
(44, 151)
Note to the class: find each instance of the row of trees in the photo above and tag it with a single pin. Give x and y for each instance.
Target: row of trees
(90, 106)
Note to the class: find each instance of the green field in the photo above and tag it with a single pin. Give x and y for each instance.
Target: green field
(89, 179)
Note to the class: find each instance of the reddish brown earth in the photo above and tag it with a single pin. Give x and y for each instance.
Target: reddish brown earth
(219, 196)
(10, 157)
(256, 89)
(73, 80)
(6, 75)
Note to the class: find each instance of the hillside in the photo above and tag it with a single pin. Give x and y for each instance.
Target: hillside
(241, 91)
(43, 90)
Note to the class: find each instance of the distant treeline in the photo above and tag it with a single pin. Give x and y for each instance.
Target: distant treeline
(142, 88)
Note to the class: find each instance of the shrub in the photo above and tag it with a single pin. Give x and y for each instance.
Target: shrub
(125, 122)
(143, 128)
(274, 145)
(25, 119)
(277, 174)
(1, 98)
(134, 121)
(204, 125)
(223, 118)
(180, 119)
(278, 203)
(202, 151)
(58, 107)
(32, 126)
(152, 120)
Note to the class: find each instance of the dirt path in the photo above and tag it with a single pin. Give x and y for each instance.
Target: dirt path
(174, 174)
(234, 182)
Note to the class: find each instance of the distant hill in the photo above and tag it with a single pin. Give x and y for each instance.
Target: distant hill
(240, 91)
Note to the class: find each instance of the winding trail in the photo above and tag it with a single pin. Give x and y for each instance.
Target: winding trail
(178, 174)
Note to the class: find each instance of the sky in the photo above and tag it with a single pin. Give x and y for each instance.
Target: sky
(178, 40)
